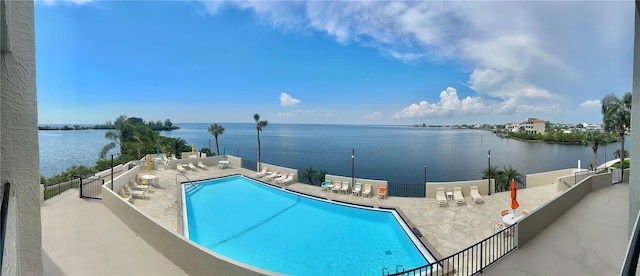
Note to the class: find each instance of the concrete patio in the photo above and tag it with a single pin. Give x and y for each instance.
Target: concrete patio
(72, 225)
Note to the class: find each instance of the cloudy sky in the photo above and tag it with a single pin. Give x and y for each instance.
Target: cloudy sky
(343, 62)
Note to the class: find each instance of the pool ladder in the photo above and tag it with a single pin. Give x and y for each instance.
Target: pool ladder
(185, 176)
(386, 271)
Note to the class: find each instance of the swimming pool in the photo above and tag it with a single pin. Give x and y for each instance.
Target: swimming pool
(284, 232)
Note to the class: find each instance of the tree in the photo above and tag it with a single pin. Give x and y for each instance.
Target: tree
(117, 137)
(616, 115)
(259, 126)
(594, 139)
(309, 174)
(216, 130)
(168, 123)
(321, 176)
(507, 174)
(617, 154)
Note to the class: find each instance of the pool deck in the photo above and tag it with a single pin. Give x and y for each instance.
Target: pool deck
(82, 237)
(448, 229)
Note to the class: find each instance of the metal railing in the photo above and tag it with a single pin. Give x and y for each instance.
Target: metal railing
(4, 210)
(471, 260)
(630, 264)
(407, 190)
(56, 188)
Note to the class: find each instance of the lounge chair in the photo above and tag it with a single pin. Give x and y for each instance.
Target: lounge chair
(202, 166)
(192, 166)
(134, 184)
(345, 187)
(475, 194)
(180, 168)
(457, 196)
(287, 180)
(281, 178)
(261, 173)
(136, 193)
(382, 192)
(504, 212)
(272, 176)
(441, 197)
(357, 189)
(336, 186)
(366, 190)
(173, 157)
(326, 185)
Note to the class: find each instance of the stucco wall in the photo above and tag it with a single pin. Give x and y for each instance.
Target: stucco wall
(191, 257)
(634, 181)
(10, 258)
(537, 220)
(547, 178)
(483, 187)
(19, 156)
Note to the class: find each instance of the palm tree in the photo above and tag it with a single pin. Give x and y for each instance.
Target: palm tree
(309, 174)
(117, 137)
(594, 139)
(492, 173)
(321, 176)
(616, 115)
(216, 130)
(259, 126)
(510, 173)
(617, 154)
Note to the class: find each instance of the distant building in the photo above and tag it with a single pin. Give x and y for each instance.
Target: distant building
(534, 126)
(512, 127)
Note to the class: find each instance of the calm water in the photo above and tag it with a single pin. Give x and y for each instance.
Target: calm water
(294, 235)
(393, 153)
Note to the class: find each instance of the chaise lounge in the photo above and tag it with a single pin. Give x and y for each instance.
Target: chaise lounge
(441, 197)
(382, 192)
(457, 196)
(475, 194)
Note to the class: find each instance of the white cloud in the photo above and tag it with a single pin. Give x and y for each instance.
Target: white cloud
(374, 115)
(591, 104)
(287, 101)
(451, 105)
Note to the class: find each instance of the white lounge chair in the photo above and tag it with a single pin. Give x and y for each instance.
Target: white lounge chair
(287, 180)
(192, 166)
(475, 194)
(457, 196)
(345, 187)
(261, 173)
(173, 157)
(134, 184)
(357, 189)
(136, 193)
(281, 178)
(180, 168)
(366, 190)
(441, 197)
(336, 186)
(272, 176)
(202, 166)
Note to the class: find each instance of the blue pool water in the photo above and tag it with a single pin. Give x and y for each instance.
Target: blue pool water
(283, 232)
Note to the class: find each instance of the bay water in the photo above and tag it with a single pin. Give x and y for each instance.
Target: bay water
(394, 153)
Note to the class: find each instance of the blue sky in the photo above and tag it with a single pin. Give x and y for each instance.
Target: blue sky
(344, 62)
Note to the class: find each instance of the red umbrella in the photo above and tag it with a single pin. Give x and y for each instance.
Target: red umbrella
(514, 194)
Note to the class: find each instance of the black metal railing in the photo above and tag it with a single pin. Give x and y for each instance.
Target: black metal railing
(630, 264)
(407, 190)
(248, 164)
(469, 261)
(52, 189)
(4, 210)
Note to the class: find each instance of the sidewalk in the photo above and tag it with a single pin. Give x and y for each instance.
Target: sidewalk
(82, 237)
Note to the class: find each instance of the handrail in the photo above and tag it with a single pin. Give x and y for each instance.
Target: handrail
(4, 209)
(471, 260)
(633, 251)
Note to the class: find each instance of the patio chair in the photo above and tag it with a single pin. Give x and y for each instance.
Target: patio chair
(287, 180)
(272, 176)
(281, 178)
(357, 189)
(192, 166)
(336, 186)
(475, 194)
(345, 187)
(173, 157)
(261, 173)
(457, 196)
(180, 168)
(366, 190)
(136, 193)
(504, 212)
(134, 184)
(326, 185)
(202, 165)
(441, 197)
(382, 192)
